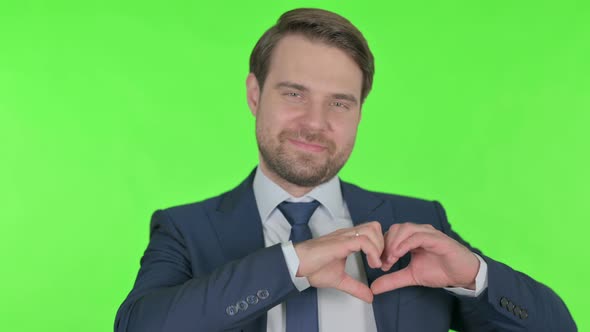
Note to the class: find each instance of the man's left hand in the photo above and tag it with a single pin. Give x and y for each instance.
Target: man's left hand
(436, 259)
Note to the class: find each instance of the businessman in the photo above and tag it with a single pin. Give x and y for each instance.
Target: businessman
(294, 248)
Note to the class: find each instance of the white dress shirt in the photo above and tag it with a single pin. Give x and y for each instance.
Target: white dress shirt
(337, 311)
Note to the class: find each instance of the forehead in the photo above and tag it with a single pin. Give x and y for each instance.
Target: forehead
(314, 64)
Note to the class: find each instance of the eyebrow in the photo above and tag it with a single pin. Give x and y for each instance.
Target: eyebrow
(292, 85)
(345, 96)
(342, 96)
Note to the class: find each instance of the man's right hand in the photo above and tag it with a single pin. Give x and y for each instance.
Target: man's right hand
(322, 260)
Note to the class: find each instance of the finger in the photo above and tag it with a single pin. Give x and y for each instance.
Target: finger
(392, 281)
(387, 259)
(373, 231)
(389, 262)
(427, 241)
(396, 235)
(356, 289)
(364, 244)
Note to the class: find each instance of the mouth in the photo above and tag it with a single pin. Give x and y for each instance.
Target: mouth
(307, 146)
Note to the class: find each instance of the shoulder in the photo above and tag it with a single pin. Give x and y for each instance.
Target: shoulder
(394, 198)
(188, 214)
(405, 208)
(222, 202)
(188, 210)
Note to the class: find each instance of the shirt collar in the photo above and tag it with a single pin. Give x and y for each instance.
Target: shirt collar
(269, 195)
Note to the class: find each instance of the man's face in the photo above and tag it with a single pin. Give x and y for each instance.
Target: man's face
(308, 112)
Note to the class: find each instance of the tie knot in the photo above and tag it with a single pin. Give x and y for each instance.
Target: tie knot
(298, 213)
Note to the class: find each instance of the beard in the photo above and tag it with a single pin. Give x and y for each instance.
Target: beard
(304, 169)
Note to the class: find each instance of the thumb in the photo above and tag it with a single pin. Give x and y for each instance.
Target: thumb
(394, 280)
(355, 288)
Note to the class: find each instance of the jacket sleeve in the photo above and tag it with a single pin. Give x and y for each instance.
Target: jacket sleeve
(512, 301)
(168, 296)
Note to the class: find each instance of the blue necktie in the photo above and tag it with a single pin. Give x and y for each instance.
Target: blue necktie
(302, 308)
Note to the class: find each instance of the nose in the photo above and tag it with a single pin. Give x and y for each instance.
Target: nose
(316, 117)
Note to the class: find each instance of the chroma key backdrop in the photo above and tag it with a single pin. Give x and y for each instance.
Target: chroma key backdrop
(111, 109)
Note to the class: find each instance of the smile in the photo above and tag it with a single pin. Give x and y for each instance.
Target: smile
(307, 146)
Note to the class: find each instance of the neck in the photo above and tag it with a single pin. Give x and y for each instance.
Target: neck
(293, 189)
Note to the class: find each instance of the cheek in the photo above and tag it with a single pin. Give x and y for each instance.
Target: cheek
(349, 138)
(347, 132)
(277, 120)
(271, 123)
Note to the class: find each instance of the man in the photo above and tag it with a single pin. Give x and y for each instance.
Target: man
(293, 248)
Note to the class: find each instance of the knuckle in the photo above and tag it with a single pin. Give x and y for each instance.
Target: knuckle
(361, 239)
(409, 224)
(377, 226)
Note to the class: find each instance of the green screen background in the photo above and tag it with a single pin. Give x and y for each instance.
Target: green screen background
(110, 110)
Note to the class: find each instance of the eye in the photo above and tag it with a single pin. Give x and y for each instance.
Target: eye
(292, 94)
(340, 105)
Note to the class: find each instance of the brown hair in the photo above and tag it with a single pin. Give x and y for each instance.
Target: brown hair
(315, 24)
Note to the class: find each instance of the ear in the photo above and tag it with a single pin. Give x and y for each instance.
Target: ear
(252, 93)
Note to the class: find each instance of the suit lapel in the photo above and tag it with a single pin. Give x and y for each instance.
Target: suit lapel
(237, 221)
(366, 206)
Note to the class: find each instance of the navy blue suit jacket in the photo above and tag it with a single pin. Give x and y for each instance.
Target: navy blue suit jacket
(205, 258)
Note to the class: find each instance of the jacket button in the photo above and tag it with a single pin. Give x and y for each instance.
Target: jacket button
(231, 310)
(517, 311)
(242, 305)
(262, 294)
(251, 299)
(510, 306)
(503, 302)
(524, 314)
